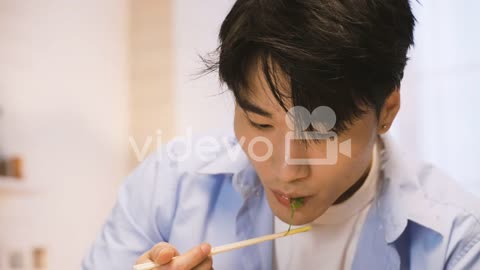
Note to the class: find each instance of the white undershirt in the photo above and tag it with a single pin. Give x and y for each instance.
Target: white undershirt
(331, 244)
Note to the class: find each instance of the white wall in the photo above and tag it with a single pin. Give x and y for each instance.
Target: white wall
(200, 103)
(64, 89)
(439, 118)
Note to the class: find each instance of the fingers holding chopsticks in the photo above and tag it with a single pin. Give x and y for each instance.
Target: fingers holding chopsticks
(167, 257)
(200, 257)
(197, 258)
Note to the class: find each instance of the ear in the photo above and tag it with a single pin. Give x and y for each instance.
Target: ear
(389, 111)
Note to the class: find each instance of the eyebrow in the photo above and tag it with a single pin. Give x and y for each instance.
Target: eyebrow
(250, 107)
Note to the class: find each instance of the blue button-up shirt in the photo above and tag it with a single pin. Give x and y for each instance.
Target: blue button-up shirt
(420, 219)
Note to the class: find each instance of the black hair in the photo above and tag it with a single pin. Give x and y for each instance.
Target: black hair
(346, 54)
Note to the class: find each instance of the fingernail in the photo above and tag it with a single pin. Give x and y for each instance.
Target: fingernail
(206, 248)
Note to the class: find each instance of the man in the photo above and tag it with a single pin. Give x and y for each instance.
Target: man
(317, 86)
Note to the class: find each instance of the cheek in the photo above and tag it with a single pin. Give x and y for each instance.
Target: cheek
(361, 155)
(333, 180)
(259, 154)
(257, 151)
(351, 169)
(260, 148)
(363, 137)
(329, 181)
(237, 126)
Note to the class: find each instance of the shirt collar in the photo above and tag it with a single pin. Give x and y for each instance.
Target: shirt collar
(400, 197)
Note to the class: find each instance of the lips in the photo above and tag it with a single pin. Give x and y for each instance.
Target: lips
(282, 199)
(285, 199)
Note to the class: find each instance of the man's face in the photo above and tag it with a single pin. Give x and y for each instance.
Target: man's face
(319, 185)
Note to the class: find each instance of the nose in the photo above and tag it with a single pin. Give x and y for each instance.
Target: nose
(291, 173)
(287, 171)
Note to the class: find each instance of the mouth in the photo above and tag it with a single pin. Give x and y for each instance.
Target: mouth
(286, 200)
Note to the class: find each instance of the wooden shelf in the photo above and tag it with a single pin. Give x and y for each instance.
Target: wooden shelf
(13, 186)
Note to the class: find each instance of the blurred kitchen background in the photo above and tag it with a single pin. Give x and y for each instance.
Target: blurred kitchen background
(85, 83)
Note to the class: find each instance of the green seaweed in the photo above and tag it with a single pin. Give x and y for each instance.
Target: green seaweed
(294, 205)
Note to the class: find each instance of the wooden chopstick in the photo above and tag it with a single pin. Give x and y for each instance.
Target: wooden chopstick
(229, 247)
(253, 241)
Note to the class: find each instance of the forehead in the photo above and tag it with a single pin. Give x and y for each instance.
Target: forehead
(266, 86)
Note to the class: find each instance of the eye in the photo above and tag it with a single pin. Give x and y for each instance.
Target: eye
(260, 126)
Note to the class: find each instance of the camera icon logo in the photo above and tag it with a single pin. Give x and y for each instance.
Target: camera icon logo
(322, 119)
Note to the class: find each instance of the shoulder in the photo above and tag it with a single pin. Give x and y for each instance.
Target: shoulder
(186, 171)
(184, 162)
(426, 189)
(443, 191)
(440, 213)
(444, 207)
(456, 209)
(194, 155)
